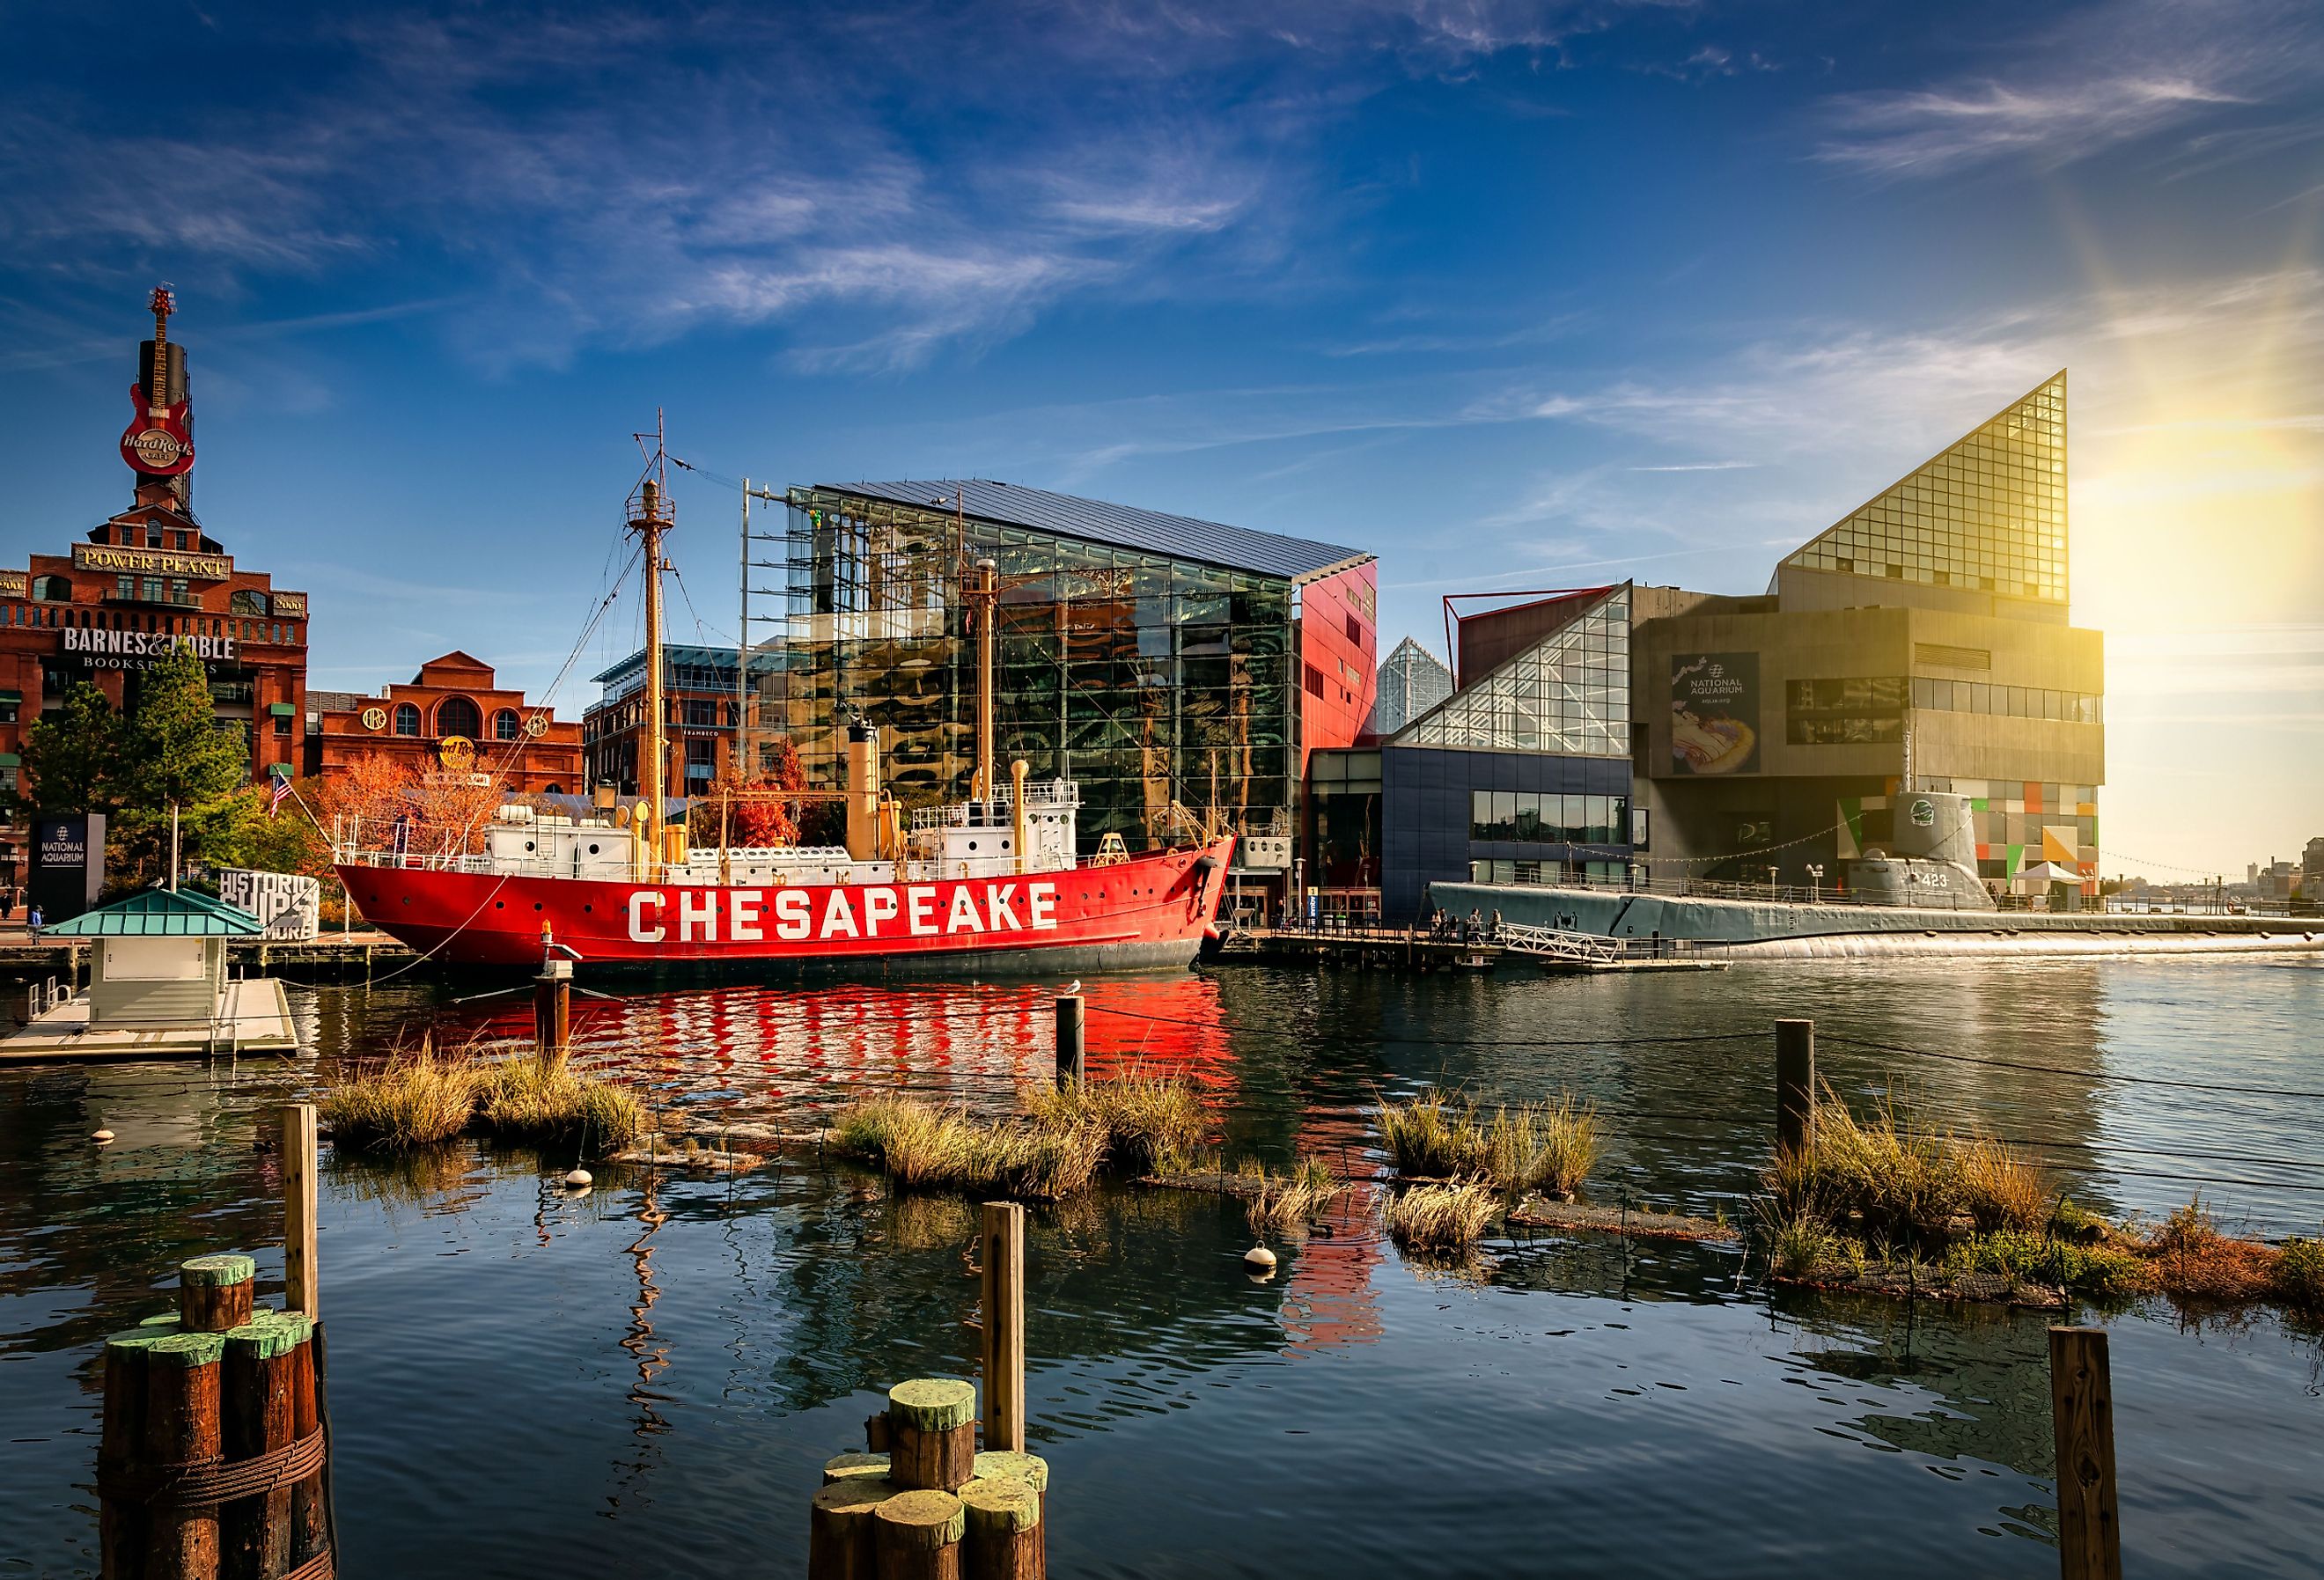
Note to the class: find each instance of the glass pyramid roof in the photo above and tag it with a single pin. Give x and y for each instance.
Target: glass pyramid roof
(1569, 693)
(1987, 515)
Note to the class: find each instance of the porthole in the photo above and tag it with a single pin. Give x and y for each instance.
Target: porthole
(587, 910)
(500, 905)
(536, 905)
(528, 848)
(972, 845)
(593, 850)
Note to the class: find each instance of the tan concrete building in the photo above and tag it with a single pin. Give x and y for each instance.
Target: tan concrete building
(1919, 643)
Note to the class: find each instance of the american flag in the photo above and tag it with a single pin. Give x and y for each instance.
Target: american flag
(275, 802)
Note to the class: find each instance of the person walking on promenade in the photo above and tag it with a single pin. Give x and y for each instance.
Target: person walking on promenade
(33, 920)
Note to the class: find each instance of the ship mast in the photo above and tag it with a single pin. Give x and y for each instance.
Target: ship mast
(649, 517)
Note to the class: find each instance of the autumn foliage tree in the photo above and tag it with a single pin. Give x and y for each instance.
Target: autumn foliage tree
(754, 810)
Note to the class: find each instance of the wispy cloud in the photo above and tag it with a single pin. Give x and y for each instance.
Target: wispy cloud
(2107, 75)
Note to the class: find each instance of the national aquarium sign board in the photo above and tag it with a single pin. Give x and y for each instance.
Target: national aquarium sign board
(68, 864)
(1714, 701)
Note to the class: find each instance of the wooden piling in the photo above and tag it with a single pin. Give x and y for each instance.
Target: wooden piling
(182, 1427)
(931, 1434)
(121, 1451)
(918, 1536)
(1796, 1080)
(1002, 1540)
(300, 1287)
(1071, 1019)
(552, 1011)
(1005, 1325)
(214, 1292)
(840, 1466)
(999, 1465)
(840, 1541)
(259, 1415)
(2081, 1420)
(310, 1532)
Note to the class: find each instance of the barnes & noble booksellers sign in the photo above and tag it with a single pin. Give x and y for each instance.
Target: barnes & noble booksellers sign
(127, 650)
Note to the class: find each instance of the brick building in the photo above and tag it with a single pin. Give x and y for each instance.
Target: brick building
(144, 580)
(698, 735)
(455, 698)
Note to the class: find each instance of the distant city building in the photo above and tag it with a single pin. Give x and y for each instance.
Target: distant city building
(145, 581)
(453, 717)
(1920, 642)
(698, 736)
(1153, 658)
(1411, 682)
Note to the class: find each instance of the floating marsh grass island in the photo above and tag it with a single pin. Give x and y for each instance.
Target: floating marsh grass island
(1550, 1147)
(1876, 1205)
(1441, 1217)
(422, 1096)
(1058, 1146)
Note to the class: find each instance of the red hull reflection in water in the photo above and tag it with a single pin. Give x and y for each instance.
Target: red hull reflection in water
(782, 1054)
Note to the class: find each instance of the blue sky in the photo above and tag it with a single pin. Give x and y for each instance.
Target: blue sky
(1513, 295)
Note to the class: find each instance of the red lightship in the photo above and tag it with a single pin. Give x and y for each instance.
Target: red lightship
(989, 885)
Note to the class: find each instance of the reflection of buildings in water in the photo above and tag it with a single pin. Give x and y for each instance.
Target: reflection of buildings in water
(1988, 1368)
(652, 1357)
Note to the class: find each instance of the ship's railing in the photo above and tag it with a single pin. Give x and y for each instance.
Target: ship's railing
(1056, 795)
(1556, 943)
(416, 861)
(1549, 875)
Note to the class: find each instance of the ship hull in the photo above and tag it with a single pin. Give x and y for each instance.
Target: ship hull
(1150, 911)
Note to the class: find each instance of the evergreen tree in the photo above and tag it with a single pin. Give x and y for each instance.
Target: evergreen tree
(179, 755)
(76, 761)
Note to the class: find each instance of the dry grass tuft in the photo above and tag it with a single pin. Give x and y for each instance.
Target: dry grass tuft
(1286, 1204)
(1441, 1217)
(2300, 1275)
(1892, 1186)
(1148, 1122)
(539, 1102)
(923, 1148)
(1525, 1145)
(2200, 1266)
(418, 1098)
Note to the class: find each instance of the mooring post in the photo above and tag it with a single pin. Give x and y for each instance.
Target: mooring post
(299, 1287)
(1004, 1326)
(2081, 1420)
(552, 1009)
(1069, 1040)
(1795, 1079)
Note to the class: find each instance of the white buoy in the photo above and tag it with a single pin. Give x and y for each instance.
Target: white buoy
(102, 1137)
(1259, 1259)
(579, 1179)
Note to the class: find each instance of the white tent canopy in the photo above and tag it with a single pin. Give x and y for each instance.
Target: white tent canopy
(2043, 873)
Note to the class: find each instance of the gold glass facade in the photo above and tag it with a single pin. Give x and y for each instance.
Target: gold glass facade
(1988, 514)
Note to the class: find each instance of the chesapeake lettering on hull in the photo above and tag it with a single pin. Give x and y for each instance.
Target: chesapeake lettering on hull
(143, 644)
(876, 910)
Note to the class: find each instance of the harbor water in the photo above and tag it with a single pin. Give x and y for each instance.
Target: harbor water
(648, 1376)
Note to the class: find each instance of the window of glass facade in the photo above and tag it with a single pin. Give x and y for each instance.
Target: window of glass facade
(1569, 694)
(1548, 818)
(2009, 701)
(1987, 515)
(1144, 679)
(1411, 682)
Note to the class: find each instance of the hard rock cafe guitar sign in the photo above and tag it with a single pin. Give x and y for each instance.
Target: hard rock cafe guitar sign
(160, 438)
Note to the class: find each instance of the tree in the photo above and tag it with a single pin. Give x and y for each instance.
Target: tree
(755, 815)
(76, 761)
(179, 755)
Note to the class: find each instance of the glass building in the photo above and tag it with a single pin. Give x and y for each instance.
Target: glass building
(1153, 658)
(1523, 774)
(1987, 515)
(1411, 682)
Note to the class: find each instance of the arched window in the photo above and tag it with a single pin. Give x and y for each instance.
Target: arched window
(456, 716)
(52, 589)
(506, 725)
(249, 602)
(406, 719)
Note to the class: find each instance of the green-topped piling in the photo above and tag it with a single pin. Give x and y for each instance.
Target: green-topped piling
(932, 1433)
(215, 1292)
